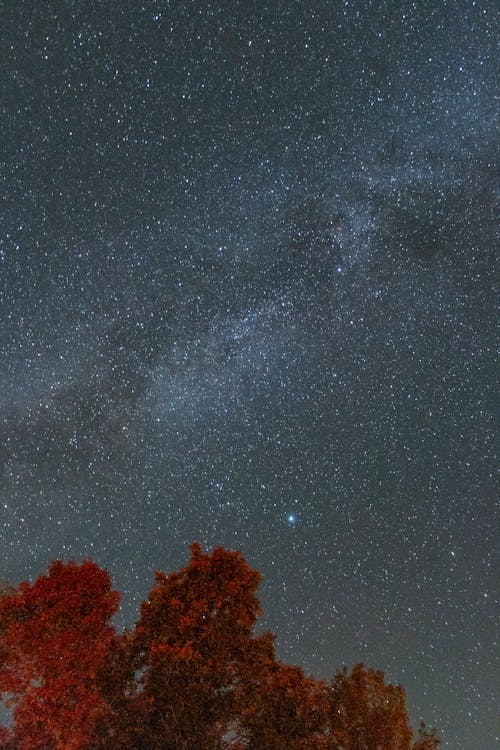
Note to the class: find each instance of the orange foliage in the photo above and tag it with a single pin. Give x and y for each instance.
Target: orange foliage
(190, 676)
(367, 713)
(54, 637)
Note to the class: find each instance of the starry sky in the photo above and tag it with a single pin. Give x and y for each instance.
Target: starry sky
(246, 254)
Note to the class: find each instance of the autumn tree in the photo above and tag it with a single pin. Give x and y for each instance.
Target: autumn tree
(366, 713)
(191, 674)
(121, 722)
(194, 644)
(54, 636)
(427, 739)
(282, 709)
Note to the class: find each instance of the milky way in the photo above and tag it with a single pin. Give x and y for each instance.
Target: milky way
(245, 298)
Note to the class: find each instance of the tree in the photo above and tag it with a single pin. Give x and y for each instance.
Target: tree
(366, 713)
(191, 674)
(283, 710)
(194, 645)
(54, 636)
(427, 739)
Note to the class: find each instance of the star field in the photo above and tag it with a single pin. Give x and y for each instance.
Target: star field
(245, 298)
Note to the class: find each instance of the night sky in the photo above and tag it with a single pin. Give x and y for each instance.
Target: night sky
(246, 261)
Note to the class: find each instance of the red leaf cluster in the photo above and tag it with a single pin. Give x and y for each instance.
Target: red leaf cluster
(191, 675)
(54, 638)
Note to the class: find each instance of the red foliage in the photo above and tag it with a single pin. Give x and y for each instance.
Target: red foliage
(191, 675)
(194, 644)
(54, 638)
(367, 714)
(282, 709)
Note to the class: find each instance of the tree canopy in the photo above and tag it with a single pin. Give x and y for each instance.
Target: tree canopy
(191, 674)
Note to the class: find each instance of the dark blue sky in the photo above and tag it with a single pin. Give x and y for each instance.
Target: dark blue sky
(245, 298)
